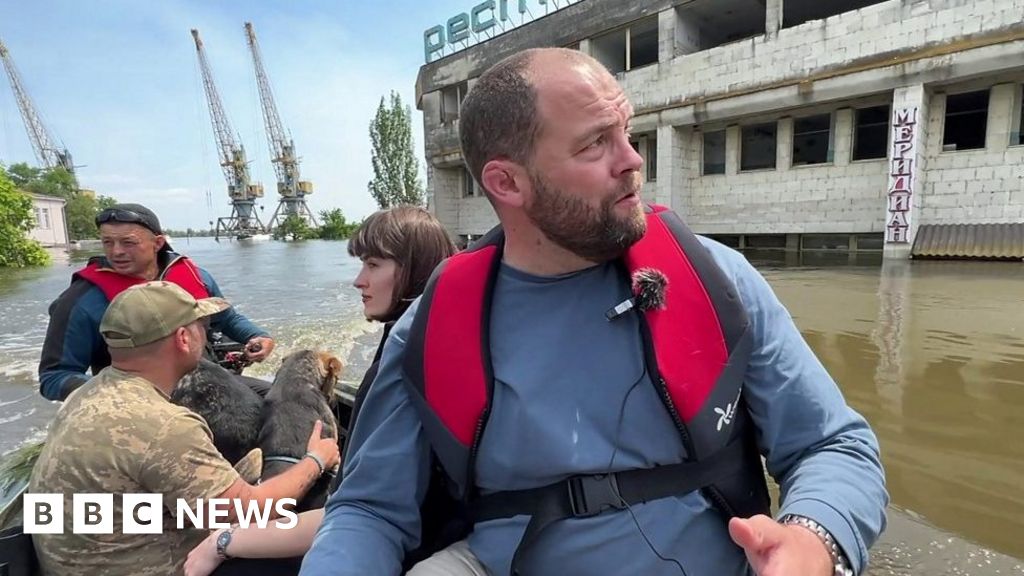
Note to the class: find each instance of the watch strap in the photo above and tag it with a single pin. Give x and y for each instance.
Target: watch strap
(841, 565)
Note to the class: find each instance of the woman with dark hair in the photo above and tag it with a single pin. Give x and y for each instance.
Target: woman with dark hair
(399, 249)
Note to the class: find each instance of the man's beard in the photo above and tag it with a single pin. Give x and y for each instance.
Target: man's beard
(594, 234)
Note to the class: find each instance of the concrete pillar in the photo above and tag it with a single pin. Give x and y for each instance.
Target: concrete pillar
(671, 167)
(679, 32)
(784, 144)
(907, 167)
(667, 34)
(773, 18)
(1000, 117)
(585, 46)
(732, 150)
(842, 137)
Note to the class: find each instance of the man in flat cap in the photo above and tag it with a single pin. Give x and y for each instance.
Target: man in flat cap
(120, 434)
(135, 251)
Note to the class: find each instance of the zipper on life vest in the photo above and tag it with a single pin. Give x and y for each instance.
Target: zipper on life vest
(662, 387)
(477, 436)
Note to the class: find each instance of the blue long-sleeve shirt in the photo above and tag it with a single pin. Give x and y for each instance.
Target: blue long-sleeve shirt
(74, 346)
(572, 396)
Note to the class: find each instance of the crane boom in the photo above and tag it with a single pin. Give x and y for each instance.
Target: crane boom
(243, 221)
(47, 153)
(282, 148)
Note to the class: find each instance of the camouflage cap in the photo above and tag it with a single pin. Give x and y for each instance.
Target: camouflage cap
(148, 312)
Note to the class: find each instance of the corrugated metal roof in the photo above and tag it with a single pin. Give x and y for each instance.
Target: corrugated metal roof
(988, 241)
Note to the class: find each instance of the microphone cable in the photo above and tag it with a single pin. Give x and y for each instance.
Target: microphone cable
(622, 501)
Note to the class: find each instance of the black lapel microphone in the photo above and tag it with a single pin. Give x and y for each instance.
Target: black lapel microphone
(649, 285)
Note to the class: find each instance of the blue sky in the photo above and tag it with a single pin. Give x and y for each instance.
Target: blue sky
(118, 82)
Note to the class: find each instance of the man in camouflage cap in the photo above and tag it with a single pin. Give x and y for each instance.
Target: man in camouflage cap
(119, 433)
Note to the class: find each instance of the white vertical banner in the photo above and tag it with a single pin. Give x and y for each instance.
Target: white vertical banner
(905, 137)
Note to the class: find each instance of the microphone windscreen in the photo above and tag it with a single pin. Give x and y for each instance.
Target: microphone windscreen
(649, 285)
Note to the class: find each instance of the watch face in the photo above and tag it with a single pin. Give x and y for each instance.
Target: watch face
(222, 543)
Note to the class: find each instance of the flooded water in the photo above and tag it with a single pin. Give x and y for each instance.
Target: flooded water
(932, 353)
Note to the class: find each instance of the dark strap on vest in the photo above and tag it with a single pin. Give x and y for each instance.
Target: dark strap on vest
(589, 495)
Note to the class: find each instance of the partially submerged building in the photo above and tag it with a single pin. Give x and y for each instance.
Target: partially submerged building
(856, 125)
(50, 228)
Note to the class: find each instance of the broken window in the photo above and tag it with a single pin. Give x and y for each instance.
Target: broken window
(795, 12)
(812, 137)
(1020, 128)
(469, 186)
(704, 24)
(451, 100)
(652, 158)
(870, 132)
(643, 43)
(466, 239)
(628, 48)
(757, 146)
(966, 121)
(714, 152)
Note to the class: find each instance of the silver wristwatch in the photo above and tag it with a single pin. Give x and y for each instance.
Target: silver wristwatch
(839, 561)
(223, 539)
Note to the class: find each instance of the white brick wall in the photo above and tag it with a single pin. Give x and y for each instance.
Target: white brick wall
(818, 46)
(975, 186)
(841, 196)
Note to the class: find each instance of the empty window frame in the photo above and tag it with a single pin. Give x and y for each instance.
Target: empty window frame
(1020, 112)
(714, 152)
(757, 146)
(451, 100)
(812, 138)
(628, 48)
(796, 12)
(966, 121)
(469, 185)
(652, 158)
(870, 132)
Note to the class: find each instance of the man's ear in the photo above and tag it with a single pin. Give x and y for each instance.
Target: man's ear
(182, 338)
(160, 241)
(506, 182)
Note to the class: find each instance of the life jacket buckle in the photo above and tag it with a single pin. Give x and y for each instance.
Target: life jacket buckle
(592, 494)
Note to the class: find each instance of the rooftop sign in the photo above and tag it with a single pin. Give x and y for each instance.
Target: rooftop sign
(484, 21)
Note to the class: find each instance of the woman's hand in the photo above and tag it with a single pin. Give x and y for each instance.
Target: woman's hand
(203, 559)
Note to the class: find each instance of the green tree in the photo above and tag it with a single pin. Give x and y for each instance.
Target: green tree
(16, 249)
(334, 225)
(81, 205)
(396, 177)
(294, 227)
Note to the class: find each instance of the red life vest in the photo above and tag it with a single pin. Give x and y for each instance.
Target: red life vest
(697, 349)
(181, 271)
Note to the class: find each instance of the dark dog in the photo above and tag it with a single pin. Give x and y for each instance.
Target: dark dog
(300, 395)
(231, 408)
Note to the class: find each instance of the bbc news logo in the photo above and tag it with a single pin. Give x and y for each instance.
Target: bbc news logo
(144, 513)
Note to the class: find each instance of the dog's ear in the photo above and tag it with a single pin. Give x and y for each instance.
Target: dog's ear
(332, 368)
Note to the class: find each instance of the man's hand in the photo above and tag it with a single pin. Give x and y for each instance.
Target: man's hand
(775, 549)
(326, 449)
(259, 348)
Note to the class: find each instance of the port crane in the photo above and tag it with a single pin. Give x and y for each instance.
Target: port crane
(291, 189)
(244, 221)
(47, 152)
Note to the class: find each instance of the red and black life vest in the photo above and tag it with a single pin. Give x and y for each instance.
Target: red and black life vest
(697, 350)
(180, 271)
